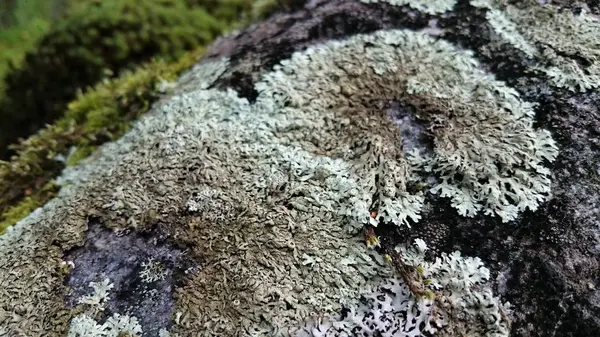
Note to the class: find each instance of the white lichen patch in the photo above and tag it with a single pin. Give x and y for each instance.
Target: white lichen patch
(565, 44)
(426, 6)
(203, 74)
(270, 195)
(508, 30)
(458, 286)
(461, 289)
(152, 271)
(388, 309)
(99, 297)
(487, 154)
(115, 326)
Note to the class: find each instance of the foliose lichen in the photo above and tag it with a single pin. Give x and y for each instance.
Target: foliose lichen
(564, 45)
(460, 303)
(116, 326)
(291, 178)
(487, 154)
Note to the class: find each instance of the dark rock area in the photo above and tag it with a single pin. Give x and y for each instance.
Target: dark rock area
(123, 257)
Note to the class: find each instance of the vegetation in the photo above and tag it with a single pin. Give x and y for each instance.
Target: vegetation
(22, 24)
(98, 40)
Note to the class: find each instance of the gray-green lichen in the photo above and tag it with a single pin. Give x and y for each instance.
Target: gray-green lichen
(487, 154)
(565, 45)
(270, 195)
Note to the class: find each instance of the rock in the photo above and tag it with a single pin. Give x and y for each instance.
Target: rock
(235, 206)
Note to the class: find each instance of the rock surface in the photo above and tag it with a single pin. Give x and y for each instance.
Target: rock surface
(219, 213)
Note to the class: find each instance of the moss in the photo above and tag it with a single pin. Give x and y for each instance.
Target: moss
(239, 13)
(27, 205)
(228, 11)
(79, 154)
(100, 39)
(101, 114)
(261, 9)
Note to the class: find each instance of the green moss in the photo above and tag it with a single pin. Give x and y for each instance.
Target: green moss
(94, 41)
(229, 11)
(79, 154)
(239, 13)
(30, 203)
(100, 115)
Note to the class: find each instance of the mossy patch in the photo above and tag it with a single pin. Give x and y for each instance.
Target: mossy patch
(27, 205)
(22, 24)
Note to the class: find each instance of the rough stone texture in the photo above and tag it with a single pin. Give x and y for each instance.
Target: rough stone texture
(545, 263)
(122, 257)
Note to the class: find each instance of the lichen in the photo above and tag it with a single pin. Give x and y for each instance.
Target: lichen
(456, 286)
(491, 159)
(508, 30)
(152, 271)
(290, 179)
(100, 295)
(116, 326)
(565, 45)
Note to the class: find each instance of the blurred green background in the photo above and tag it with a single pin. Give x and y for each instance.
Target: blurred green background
(22, 24)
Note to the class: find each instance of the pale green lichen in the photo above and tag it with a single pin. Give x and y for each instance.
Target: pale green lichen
(490, 159)
(426, 6)
(116, 326)
(152, 271)
(508, 30)
(271, 194)
(100, 296)
(565, 45)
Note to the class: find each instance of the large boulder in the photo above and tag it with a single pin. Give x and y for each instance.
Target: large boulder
(376, 169)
